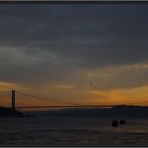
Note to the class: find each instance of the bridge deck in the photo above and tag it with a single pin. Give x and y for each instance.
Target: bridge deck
(88, 106)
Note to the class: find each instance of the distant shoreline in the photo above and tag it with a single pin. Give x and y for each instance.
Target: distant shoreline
(123, 111)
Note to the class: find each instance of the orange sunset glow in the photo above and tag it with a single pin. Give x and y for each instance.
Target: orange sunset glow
(91, 55)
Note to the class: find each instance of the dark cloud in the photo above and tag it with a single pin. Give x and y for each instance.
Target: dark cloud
(53, 41)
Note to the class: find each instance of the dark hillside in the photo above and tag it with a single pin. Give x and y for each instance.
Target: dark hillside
(8, 112)
(123, 111)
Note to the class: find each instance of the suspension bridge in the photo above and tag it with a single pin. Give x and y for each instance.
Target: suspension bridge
(61, 104)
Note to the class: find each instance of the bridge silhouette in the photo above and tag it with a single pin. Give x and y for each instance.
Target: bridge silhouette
(63, 104)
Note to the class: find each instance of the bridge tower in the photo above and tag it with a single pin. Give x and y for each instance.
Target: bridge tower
(13, 99)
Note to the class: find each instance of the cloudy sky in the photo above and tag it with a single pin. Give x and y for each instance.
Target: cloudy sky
(87, 54)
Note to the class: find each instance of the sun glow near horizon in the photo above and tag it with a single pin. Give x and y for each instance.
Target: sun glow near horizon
(74, 96)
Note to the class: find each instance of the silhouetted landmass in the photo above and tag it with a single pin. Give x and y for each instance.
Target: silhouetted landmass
(123, 111)
(8, 112)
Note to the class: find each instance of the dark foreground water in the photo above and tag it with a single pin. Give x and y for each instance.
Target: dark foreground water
(71, 132)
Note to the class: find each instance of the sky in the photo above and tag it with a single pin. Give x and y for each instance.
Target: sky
(87, 54)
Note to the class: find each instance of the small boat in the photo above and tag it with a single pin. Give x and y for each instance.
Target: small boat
(122, 122)
(114, 123)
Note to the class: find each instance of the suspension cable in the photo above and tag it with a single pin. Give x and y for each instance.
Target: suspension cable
(40, 98)
(4, 95)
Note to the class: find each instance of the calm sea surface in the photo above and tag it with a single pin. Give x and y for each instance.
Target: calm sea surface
(72, 131)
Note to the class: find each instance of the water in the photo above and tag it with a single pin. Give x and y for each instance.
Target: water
(71, 131)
